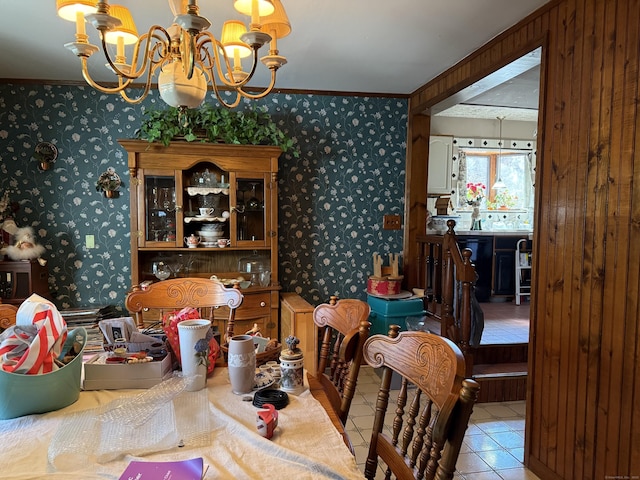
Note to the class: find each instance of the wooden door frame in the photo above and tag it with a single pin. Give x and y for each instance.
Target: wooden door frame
(418, 134)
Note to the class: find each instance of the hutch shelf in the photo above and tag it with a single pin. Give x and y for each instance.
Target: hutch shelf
(223, 195)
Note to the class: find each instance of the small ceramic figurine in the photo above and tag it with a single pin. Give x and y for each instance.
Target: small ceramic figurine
(267, 420)
(292, 367)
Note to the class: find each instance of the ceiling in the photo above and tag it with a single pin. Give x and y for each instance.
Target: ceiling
(512, 92)
(355, 46)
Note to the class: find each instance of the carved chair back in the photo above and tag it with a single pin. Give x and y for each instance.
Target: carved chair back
(344, 328)
(209, 297)
(433, 406)
(7, 315)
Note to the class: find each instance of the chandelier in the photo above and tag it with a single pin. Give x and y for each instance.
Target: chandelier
(186, 56)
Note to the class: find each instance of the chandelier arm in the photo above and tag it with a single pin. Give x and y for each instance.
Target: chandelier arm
(217, 47)
(100, 88)
(151, 51)
(264, 93)
(233, 104)
(147, 87)
(146, 39)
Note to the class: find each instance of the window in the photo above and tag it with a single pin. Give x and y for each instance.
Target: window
(486, 167)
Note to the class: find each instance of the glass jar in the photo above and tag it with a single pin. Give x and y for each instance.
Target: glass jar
(253, 266)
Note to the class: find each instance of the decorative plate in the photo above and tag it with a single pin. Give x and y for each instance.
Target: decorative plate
(47, 151)
(263, 380)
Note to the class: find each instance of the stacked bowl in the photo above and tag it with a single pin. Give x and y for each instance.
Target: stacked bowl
(210, 233)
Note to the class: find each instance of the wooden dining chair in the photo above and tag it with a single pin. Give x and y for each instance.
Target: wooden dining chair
(8, 314)
(433, 406)
(344, 328)
(210, 297)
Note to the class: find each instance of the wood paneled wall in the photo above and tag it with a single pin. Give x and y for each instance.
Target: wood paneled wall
(583, 418)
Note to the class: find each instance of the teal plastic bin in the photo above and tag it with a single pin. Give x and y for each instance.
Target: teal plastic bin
(27, 394)
(385, 313)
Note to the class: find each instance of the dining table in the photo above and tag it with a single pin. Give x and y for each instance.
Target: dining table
(99, 435)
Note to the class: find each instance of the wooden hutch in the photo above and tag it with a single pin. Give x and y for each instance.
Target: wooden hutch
(168, 187)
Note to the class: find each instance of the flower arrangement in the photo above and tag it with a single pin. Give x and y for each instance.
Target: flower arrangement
(475, 193)
(108, 182)
(503, 199)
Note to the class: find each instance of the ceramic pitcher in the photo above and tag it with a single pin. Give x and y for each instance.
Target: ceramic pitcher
(242, 364)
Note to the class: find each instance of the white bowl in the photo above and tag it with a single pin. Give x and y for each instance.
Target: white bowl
(209, 236)
(212, 227)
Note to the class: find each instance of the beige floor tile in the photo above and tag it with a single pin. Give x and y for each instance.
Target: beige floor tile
(499, 459)
(471, 463)
(508, 439)
(493, 448)
(361, 410)
(518, 474)
(481, 443)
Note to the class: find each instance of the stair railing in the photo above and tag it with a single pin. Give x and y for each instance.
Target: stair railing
(444, 268)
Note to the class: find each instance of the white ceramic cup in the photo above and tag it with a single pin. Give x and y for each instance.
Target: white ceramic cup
(223, 242)
(206, 211)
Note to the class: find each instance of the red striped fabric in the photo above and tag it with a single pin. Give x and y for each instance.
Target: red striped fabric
(37, 338)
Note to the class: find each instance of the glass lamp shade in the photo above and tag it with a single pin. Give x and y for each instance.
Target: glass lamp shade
(179, 91)
(499, 185)
(127, 30)
(67, 9)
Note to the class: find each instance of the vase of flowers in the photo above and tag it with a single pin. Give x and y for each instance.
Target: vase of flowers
(474, 195)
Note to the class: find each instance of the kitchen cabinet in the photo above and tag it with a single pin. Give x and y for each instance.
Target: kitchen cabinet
(504, 268)
(503, 273)
(482, 257)
(440, 165)
(236, 188)
(495, 259)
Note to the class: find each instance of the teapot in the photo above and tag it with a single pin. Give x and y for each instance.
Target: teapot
(192, 241)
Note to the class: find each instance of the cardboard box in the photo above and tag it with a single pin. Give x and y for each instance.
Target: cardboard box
(101, 376)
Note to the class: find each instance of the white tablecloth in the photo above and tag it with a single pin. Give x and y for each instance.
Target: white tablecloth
(70, 443)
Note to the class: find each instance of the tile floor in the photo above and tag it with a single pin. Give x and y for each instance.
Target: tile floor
(493, 447)
(504, 322)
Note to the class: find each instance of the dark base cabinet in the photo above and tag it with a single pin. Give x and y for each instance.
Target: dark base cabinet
(482, 256)
(494, 258)
(504, 268)
(504, 273)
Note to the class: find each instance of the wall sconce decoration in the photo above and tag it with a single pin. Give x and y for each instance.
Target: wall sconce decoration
(45, 154)
(109, 182)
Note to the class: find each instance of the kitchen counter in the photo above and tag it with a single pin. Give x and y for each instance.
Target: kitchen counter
(493, 253)
(487, 233)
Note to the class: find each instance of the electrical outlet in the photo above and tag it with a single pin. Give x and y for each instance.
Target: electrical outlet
(391, 222)
(89, 241)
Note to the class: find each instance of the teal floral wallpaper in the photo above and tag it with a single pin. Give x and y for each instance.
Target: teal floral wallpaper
(351, 172)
